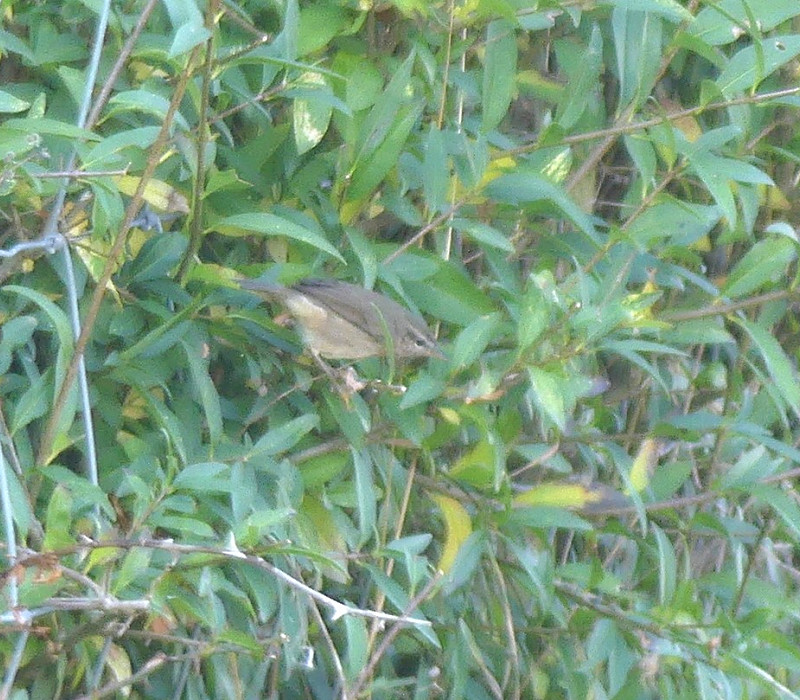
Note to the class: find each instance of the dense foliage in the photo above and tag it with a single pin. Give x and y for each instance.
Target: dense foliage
(593, 203)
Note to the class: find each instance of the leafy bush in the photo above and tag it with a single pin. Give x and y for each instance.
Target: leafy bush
(591, 497)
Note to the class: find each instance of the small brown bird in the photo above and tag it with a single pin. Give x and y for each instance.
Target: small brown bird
(342, 321)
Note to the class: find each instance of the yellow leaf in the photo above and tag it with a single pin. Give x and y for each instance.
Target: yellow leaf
(158, 194)
(557, 494)
(449, 415)
(496, 168)
(643, 465)
(458, 526)
(772, 197)
(476, 467)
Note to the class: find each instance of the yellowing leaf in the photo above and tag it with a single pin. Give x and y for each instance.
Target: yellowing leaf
(477, 467)
(496, 168)
(157, 194)
(559, 495)
(772, 197)
(119, 665)
(449, 415)
(643, 465)
(458, 526)
(320, 531)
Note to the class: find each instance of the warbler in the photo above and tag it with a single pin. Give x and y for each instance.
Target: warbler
(342, 321)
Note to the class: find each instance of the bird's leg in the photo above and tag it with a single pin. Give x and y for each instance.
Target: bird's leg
(346, 381)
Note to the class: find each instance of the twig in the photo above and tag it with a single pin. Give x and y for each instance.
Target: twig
(154, 158)
(124, 54)
(149, 667)
(232, 552)
(390, 636)
(729, 307)
(77, 174)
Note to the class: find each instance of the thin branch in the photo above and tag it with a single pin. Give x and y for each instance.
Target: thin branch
(723, 309)
(387, 641)
(154, 158)
(231, 552)
(149, 667)
(198, 187)
(436, 221)
(82, 174)
(124, 54)
(633, 127)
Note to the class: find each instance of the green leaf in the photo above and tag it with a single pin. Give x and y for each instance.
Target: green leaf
(637, 44)
(581, 93)
(188, 35)
(719, 185)
(499, 73)
(364, 81)
(435, 169)
(681, 222)
(366, 497)
(643, 153)
(473, 340)
(727, 21)
(700, 332)
(374, 167)
(58, 521)
(112, 145)
(84, 494)
(157, 257)
(22, 508)
(184, 12)
(667, 566)
(60, 322)
(466, 562)
(483, 465)
(668, 9)
(765, 263)
(523, 187)
(778, 365)
(12, 44)
(11, 104)
(16, 332)
(206, 391)
(485, 234)
(207, 476)
(750, 467)
(783, 504)
(134, 568)
(32, 404)
(548, 394)
(383, 116)
(752, 64)
(169, 332)
(352, 417)
(319, 23)
(284, 437)
(183, 524)
(423, 390)
(448, 295)
(534, 316)
(632, 345)
(51, 127)
(145, 102)
(271, 225)
(357, 641)
(311, 114)
(546, 517)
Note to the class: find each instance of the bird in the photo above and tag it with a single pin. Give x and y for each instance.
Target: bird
(343, 321)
